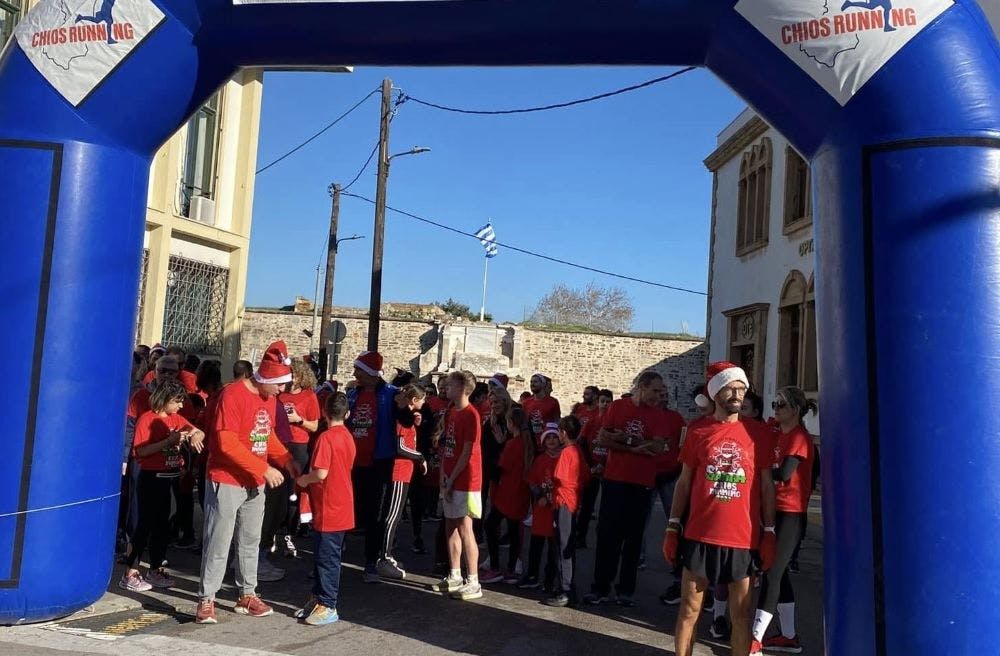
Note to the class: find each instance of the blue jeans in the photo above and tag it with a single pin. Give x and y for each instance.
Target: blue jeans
(329, 548)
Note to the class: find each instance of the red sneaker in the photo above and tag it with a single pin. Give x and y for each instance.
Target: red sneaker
(781, 644)
(206, 612)
(253, 606)
(756, 649)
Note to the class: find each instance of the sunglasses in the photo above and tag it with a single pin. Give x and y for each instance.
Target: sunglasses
(167, 371)
(777, 405)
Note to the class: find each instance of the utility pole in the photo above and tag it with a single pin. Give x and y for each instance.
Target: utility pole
(331, 262)
(375, 303)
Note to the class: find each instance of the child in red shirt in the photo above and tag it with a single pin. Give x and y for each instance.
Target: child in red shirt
(511, 498)
(332, 502)
(542, 485)
(159, 433)
(569, 476)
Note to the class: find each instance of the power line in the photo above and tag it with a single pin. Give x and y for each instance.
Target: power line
(364, 167)
(526, 110)
(317, 135)
(533, 253)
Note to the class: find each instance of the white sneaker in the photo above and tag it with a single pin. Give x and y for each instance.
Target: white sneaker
(468, 591)
(448, 585)
(388, 568)
(267, 572)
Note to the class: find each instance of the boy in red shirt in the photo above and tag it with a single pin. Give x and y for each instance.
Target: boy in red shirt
(332, 502)
(570, 475)
(243, 444)
(542, 485)
(727, 489)
(461, 487)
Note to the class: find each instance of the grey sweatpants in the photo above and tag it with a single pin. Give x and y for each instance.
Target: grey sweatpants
(229, 511)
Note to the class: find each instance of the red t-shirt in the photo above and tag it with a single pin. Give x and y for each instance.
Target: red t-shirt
(362, 421)
(139, 403)
(306, 405)
(332, 499)
(793, 496)
(244, 438)
(645, 422)
(585, 414)
(567, 478)
(150, 428)
(540, 412)
(402, 469)
(543, 515)
(461, 427)
(512, 496)
(669, 461)
(598, 454)
(726, 459)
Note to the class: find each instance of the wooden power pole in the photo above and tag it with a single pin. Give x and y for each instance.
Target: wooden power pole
(325, 338)
(375, 303)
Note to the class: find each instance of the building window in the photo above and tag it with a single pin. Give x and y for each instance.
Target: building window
(798, 200)
(141, 302)
(10, 12)
(201, 155)
(747, 340)
(195, 311)
(754, 198)
(797, 334)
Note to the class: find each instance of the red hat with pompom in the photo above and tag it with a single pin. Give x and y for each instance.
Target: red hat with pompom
(275, 367)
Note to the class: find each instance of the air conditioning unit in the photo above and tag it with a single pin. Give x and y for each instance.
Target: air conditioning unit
(202, 210)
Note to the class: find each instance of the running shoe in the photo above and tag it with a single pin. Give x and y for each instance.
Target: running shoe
(595, 599)
(388, 568)
(527, 582)
(783, 645)
(448, 584)
(560, 600)
(672, 596)
(321, 616)
(253, 606)
(307, 608)
(134, 583)
(206, 612)
(159, 579)
(468, 592)
(510, 578)
(720, 628)
(490, 576)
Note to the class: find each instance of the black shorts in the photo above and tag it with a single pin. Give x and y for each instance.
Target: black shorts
(720, 565)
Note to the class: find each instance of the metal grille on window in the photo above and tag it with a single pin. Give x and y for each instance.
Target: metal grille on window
(195, 312)
(10, 12)
(141, 302)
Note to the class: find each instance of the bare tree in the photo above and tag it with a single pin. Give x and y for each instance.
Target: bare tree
(595, 307)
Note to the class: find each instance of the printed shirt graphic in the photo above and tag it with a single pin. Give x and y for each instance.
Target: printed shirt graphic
(793, 496)
(75, 44)
(642, 422)
(726, 459)
(841, 45)
(362, 421)
(250, 418)
(153, 428)
(540, 412)
(461, 426)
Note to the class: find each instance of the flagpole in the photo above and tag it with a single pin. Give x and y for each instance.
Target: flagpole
(482, 308)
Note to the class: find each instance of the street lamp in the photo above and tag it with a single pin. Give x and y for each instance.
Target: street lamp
(336, 247)
(375, 302)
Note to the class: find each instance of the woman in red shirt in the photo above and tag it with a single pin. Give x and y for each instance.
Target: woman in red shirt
(794, 454)
(511, 496)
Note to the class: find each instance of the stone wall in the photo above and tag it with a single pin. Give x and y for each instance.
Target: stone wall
(428, 348)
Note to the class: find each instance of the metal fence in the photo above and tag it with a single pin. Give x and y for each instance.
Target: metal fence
(195, 310)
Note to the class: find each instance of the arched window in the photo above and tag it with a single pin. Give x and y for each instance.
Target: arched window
(754, 207)
(797, 334)
(798, 199)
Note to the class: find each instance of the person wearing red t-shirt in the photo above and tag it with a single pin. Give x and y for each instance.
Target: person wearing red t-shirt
(424, 493)
(239, 465)
(587, 409)
(159, 434)
(511, 497)
(635, 431)
(409, 400)
(794, 454)
(461, 486)
(541, 483)
(570, 475)
(331, 492)
(727, 490)
(302, 410)
(540, 407)
(597, 457)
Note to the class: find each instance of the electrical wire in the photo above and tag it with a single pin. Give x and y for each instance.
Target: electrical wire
(533, 253)
(543, 108)
(364, 167)
(317, 135)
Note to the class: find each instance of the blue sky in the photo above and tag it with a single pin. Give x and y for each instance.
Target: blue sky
(617, 184)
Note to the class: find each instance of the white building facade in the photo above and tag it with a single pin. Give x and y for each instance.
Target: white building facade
(761, 304)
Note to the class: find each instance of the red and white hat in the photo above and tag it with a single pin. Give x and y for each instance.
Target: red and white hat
(550, 428)
(500, 380)
(720, 374)
(275, 367)
(701, 400)
(370, 362)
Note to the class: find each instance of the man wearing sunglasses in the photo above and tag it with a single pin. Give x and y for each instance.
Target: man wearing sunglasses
(727, 490)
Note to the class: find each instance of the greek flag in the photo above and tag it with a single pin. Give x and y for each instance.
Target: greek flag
(488, 239)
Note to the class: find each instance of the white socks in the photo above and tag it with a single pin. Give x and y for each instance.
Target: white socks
(719, 609)
(786, 615)
(761, 620)
(455, 574)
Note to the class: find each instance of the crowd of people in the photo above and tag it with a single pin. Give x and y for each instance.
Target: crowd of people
(274, 454)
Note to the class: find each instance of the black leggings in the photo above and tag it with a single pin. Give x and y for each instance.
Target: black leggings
(421, 497)
(390, 514)
(153, 529)
(300, 454)
(275, 511)
(492, 527)
(777, 585)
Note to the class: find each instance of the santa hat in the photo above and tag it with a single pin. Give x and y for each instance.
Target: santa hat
(370, 362)
(500, 380)
(275, 367)
(720, 374)
(550, 428)
(701, 400)
(157, 348)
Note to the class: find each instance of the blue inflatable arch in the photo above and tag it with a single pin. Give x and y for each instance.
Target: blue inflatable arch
(893, 101)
